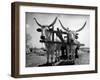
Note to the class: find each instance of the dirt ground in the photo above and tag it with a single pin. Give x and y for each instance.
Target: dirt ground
(33, 59)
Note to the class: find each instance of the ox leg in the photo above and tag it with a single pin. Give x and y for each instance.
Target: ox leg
(66, 54)
(59, 52)
(76, 52)
(52, 57)
(47, 57)
(56, 56)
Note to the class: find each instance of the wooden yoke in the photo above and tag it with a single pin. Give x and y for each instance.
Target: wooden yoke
(59, 34)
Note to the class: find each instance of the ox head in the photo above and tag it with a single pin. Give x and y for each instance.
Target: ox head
(44, 29)
(72, 35)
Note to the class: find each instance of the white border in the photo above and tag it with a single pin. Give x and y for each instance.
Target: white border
(36, 70)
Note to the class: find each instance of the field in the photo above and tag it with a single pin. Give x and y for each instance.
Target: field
(34, 59)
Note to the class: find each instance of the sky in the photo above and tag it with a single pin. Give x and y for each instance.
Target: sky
(73, 22)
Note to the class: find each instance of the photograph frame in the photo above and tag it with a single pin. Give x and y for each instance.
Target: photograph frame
(15, 39)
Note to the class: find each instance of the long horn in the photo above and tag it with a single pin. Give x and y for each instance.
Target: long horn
(37, 22)
(81, 27)
(53, 22)
(62, 26)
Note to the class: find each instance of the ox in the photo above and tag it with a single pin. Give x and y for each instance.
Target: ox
(47, 36)
(72, 37)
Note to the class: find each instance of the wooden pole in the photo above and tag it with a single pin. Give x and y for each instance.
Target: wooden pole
(53, 34)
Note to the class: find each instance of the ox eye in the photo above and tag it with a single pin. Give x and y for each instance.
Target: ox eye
(50, 29)
(39, 30)
(76, 37)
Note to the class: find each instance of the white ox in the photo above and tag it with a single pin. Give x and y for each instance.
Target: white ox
(46, 35)
(72, 37)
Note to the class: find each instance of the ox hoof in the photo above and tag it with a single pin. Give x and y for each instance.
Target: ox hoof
(46, 64)
(76, 56)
